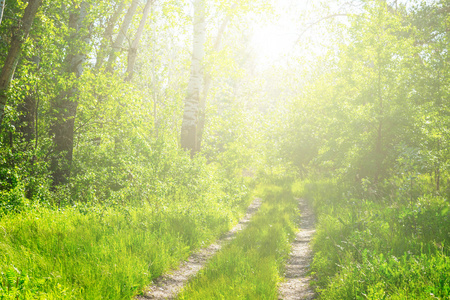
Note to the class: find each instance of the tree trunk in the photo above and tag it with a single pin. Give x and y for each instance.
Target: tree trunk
(63, 134)
(117, 45)
(107, 36)
(378, 153)
(66, 104)
(437, 170)
(192, 101)
(18, 39)
(207, 85)
(27, 118)
(2, 7)
(132, 52)
(28, 108)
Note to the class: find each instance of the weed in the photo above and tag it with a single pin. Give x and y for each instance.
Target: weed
(106, 251)
(365, 249)
(250, 267)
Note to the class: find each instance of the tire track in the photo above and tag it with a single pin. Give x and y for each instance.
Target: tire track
(296, 285)
(170, 284)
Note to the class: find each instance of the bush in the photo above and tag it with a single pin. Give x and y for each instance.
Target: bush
(377, 249)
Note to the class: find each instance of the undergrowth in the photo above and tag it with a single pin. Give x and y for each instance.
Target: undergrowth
(379, 248)
(250, 266)
(107, 251)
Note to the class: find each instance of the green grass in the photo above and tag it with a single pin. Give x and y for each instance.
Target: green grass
(101, 252)
(250, 266)
(379, 248)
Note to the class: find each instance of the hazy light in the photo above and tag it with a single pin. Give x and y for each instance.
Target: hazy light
(275, 40)
(271, 42)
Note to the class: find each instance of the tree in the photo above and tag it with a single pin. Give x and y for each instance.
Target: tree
(117, 45)
(65, 105)
(14, 52)
(2, 7)
(207, 83)
(28, 107)
(362, 94)
(107, 35)
(132, 52)
(192, 100)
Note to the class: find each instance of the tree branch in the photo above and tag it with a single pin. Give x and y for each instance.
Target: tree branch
(317, 22)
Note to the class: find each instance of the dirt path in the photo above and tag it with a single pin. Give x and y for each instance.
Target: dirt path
(170, 284)
(296, 285)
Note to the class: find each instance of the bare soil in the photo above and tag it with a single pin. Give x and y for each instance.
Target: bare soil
(296, 285)
(169, 285)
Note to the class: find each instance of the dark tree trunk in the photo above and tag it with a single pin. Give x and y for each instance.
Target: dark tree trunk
(27, 118)
(65, 105)
(378, 153)
(63, 134)
(28, 109)
(207, 85)
(437, 170)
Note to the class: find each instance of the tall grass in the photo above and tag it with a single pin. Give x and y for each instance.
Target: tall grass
(250, 267)
(106, 252)
(379, 248)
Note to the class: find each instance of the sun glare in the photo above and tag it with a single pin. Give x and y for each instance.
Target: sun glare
(272, 42)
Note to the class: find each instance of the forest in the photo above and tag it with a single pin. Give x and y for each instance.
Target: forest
(135, 133)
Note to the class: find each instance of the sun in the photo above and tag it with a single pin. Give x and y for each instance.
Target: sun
(272, 42)
(275, 37)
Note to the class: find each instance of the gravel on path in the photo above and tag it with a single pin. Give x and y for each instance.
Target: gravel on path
(296, 285)
(169, 285)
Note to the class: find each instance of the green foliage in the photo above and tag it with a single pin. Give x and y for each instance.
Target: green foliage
(23, 178)
(250, 267)
(372, 113)
(12, 283)
(101, 251)
(369, 130)
(134, 204)
(366, 249)
(407, 277)
(376, 103)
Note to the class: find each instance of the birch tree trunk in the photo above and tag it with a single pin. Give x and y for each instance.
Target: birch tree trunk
(15, 49)
(117, 45)
(66, 103)
(2, 8)
(192, 101)
(132, 52)
(107, 36)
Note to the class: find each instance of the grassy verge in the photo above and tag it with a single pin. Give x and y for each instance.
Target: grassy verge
(250, 267)
(379, 249)
(106, 252)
